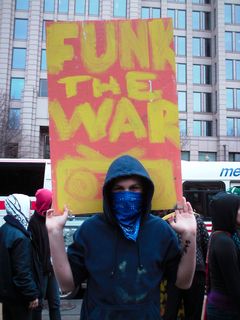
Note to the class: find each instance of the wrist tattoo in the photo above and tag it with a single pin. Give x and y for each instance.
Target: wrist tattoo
(186, 245)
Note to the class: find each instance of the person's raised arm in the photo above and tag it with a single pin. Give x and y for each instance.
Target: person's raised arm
(184, 223)
(55, 224)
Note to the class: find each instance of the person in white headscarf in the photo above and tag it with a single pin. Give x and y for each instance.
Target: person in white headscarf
(19, 292)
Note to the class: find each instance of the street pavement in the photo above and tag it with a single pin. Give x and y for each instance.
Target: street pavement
(70, 310)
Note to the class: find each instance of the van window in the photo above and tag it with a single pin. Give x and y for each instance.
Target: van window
(200, 193)
(21, 177)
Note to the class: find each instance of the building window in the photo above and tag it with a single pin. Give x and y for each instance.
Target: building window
(181, 73)
(93, 7)
(202, 102)
(207, 156)
(232, 14)
(120, 8)
(180, 45)
(202, 128)
(22, 5)
(148, 12)
(201, 47)
(43, 60)
(178, 17)
(20, 29)
(14, 118)
(19, 58)
(185, 155)
(232, 69)
(234, 156)
(232, 41)
(233, 127)
(201, 20)
(80, 7)
(201, 1)
(183, 127)
(11, 150)
(233, 98)
(182, 101)
(179, 1)
(43, 88)
(63, 6)
(202, 74)
(49, 5)
(17, 86)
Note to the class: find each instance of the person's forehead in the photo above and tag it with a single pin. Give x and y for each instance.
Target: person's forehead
(128, 180)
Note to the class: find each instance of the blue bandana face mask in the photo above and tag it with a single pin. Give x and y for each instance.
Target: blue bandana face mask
(127, 206)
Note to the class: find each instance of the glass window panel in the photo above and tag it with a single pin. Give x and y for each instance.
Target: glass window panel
(208, 101)
(207, 156)
(145, 14)
(19, 58)
(44, 31)
(14, 118)
(80, 7)
(185, 155)
(43, 88)
(228, 13)
(120, 8)
(17, 85)
(197, 128)
(196, 47)
(156, 13)
(171, 14)
(229, 70)
(63, 6)
(228, 41)
(237, 41)
(20, 29)
(207, 75)
(234, 156)
(196, 74)
(197, 101)
(238, 98)
(237, 69)
(196, 20)
(22, 5)
(183, 127)
(207, 125)
(207, 47)
(230, 127)
(181, 73)
(206, 24)
(93, 7)
(43, 60)
(229, 98)
(181, 19)
(182, 103)
(49, 6)
(238, 127)
(181, 46)
(237, 14)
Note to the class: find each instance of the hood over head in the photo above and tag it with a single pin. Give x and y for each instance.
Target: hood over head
(18, 206)
(224, 208)
(43, 201)
(126, 166)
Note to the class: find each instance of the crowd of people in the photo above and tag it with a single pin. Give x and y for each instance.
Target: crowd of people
(123, 255)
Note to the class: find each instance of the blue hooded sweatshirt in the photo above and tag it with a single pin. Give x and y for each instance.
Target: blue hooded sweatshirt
(123, 276)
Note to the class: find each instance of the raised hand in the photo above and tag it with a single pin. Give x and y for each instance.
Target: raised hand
(183, 220)
(55, 221)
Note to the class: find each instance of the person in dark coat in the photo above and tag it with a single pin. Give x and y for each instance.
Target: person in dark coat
(192, 298)
(37, 227)
(224, 258)
(124, 252)
(19, 292)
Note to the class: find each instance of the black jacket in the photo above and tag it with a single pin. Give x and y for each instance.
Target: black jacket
(17, 283)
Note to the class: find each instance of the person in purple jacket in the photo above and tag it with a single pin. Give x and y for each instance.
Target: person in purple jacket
(124, 252)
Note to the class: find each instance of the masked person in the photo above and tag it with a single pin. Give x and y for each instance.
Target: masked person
(37, 226)
(19, 293)
(124, 252)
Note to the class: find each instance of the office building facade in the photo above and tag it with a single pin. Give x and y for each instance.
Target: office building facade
(207, 46)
